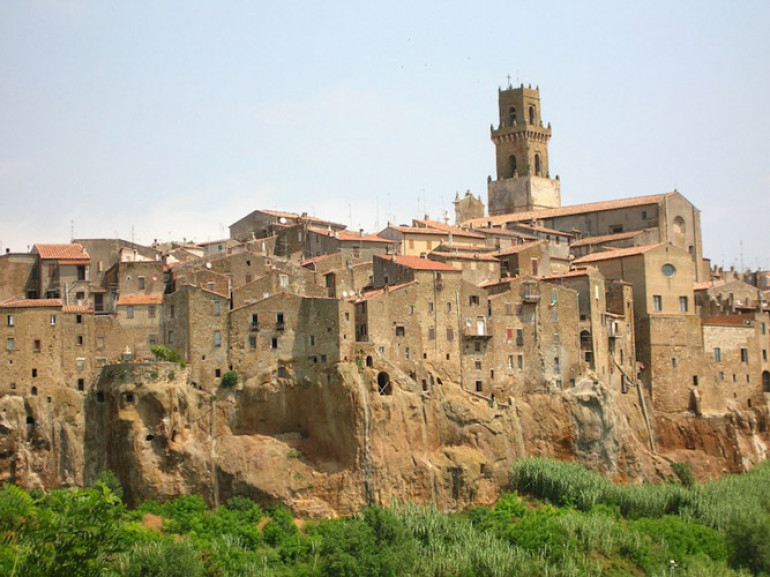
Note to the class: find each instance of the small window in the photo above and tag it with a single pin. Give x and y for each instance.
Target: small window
(81, 272)
(100, 343)
(141, 282)
(399, 331)
(281, 372)
(129, 312)
(431, 334)
(717, 354)
(312, 340)
(479, 386)
(473, 300)
(478, 365)
(152, 340)
(79, 319)
(81, 363)
(217, 339)
(172, 312)
(408, 354)
(217, 308)
(79, 340)
(10, 320)
(744, 355)
(673, 362)
(274, 343)
(37, 345)
(450, 335)
(668, 269)
(657, 303)
(217, 373)
(520, 362)
(520, 337)
(10, 344)
(253, 342)
(430, 307)
(151, 311)
(283, 280)
(53, 319)
(34, 373)
(510, 361)
(171, 337)
(683, 304)
(449, 307)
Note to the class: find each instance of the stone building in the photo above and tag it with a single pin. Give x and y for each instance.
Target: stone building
(523, 180)
(478, 264)
(726, 297)
(261, 223)
(63, 272)
(420, 240)
(529, 259)
(196, 323)
(299, 281)
(360, 245)
(669, 341)
(46, 344)
(18, 276)
(467, 207)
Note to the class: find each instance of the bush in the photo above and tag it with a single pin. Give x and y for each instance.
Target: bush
(684, 472)
(164, 353)
(110, 480)
(229, 379)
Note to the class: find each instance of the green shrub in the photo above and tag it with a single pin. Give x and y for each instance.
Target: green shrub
(164, 353)
(684, 472)
(229, 379)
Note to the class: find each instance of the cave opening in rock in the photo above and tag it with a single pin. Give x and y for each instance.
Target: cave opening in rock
(384, 384)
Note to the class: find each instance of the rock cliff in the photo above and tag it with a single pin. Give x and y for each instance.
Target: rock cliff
(330, 446)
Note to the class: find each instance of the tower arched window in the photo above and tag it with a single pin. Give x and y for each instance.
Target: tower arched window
(537, 165)
(512, 165)
(532, 115)
(512, 116)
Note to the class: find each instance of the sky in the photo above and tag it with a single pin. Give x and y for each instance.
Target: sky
(172, 120)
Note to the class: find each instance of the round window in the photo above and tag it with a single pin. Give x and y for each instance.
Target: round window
(669, 269)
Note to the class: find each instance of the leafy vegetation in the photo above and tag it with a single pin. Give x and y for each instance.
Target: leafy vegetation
(230, 379)
(558, 520)
(164, 353)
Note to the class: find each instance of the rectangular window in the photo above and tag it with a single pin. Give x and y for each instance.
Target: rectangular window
(312, 340)
(129, 312)
(79, 319)
(431, 334)
(683, 304)
(279, 320)
(53, 319)
(253, 342)
(283, 280)
(81, 363)
(80, 295)
(721, 375)
(509, 334)
(449, 307)
(657, 303)
(34, 373)
(274, 343)
(673, 362)
(151, 311)
(217, 308)
(79, 340)
(399, 331)
(411, 309)
(477, 346)
(141, 284)
(152, 340)
(37, 346)
(717, 354)
(408, 353)
(100, 343)
(10, 344)
(172, 312)
(508, 309)
(450, 335)
(171, 337)
(520, 337)
(473, 300)
(764, 354)
(478, 365)
(744, 355)
(217, 339)
(520, 362)
(479, 387)
(10, 320)
(764, 328)
(430, 308)
(510, 361)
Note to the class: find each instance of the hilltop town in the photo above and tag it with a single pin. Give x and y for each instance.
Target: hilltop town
(331, 368)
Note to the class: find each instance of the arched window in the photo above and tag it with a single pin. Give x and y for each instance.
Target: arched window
(512, 116)
(532, 115)
(679, 225)
(537, 165)
(383, 383)
(512, 164)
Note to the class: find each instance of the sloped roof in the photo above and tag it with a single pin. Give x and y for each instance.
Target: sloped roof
(544, 229)
(418, 263)
(570, 210)
(68, 252)
(590, 240)
(150, 299)
(368, 295)
(30, 303)
(434, 231)
(618, 253)
(347, 235)
(517, 248)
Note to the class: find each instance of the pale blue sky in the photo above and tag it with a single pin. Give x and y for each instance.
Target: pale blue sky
(175, 119)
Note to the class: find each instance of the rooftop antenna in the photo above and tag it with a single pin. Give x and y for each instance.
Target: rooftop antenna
(509, 80)
(376, 213)
(72, 230)
(350, 215)
(132, 234)
(741, 245)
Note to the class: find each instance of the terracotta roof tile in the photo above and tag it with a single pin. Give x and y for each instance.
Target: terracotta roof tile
(434, 231)
(495, 231)
(150, 299)
(348, 236)
(517, 248)
(368, 295)
(77, 309)
(618, 253)
(591, 240)
(573, 273)
(69, 252)
(418, 263)
(30, 303)
(570, 210)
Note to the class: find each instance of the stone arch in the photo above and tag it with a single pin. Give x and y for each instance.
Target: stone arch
(512, 165)
(369, 361)
(766, 381)
(679, 225)
(34, 391)
(383, 383)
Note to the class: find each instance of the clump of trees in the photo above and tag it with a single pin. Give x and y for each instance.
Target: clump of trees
(558, 519)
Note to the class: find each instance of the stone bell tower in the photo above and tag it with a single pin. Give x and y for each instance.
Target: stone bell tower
(521, 144)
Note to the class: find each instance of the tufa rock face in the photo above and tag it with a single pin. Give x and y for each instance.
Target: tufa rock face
(332, 446)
